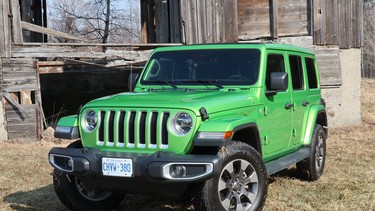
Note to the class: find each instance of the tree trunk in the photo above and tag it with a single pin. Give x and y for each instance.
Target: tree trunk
(107, 22)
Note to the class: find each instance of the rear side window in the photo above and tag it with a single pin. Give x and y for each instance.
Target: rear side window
(275, 63)
(296, 71)
(311, 73)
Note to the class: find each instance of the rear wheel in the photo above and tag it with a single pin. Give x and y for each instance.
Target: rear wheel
(241, 185)
(312, 167)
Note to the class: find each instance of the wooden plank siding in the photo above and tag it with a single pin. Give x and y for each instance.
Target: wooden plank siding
(357, 23)
(189, 21)
(20, 85)
(273, 18)
(329, 64)
(338, 22)
(334, 22)
(160, 21)
(209, 21)
(20, 126)
(254, 19)
(292, 17)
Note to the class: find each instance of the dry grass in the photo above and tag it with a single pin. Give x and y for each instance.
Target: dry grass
(347, 184)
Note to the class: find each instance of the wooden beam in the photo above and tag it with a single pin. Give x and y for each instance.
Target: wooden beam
(66, 52)
(45, 38)
(357, 23)
(320, 22)
(175, 21)
(5, 36)
(40, 29)
(84, 62)
(14, 103)
(162, 21)
(2, 27)
(148, 33)
(134, 46)
(26, 98)
(144, 23)
(48, 67)
(16, 23)
(230, 21)
(345, 24)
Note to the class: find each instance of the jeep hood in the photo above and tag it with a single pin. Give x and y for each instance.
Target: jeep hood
(213, 100)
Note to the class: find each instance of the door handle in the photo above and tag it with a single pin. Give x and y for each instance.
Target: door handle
(289, 105)
(305, 103)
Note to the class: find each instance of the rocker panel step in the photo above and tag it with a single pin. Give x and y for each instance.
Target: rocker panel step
(289, 159)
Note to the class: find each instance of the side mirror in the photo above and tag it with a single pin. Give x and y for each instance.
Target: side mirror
(278, 82)
(132, 80)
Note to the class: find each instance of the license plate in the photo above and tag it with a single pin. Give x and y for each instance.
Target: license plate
(117, 167)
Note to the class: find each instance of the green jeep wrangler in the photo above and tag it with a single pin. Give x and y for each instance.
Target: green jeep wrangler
(206, 121)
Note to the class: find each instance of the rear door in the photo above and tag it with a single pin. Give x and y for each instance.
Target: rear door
(300, 99)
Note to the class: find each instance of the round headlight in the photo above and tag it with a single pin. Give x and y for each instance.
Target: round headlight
(183, 123)
(90, 120)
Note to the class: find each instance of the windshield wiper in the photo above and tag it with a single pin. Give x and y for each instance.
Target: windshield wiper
(206, 82)
(170, 83)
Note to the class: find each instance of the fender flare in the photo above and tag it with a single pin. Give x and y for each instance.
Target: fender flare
(67, 128)
(314, 113)
(234, 125)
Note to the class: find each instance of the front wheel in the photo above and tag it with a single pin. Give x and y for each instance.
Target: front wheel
(312, 167)
(73, 193)
(241, 185)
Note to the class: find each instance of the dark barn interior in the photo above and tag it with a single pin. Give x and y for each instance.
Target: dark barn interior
(62, 94)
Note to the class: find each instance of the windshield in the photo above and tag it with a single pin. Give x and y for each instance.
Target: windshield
(209, 67)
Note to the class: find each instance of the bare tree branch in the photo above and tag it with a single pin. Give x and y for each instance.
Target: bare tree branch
(100, 20)
(368, 69)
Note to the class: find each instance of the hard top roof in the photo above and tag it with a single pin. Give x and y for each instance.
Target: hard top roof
(266, 46)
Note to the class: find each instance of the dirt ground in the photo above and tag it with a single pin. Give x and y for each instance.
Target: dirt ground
(348, 182)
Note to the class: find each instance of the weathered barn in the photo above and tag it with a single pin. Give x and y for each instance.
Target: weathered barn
(39, 80)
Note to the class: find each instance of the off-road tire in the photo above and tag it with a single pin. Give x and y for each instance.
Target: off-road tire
(243, 175)
(72, 193)
(312, 167)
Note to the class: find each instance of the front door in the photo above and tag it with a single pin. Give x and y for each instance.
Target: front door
(278, 112)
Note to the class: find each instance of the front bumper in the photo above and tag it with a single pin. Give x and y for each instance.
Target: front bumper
(155, 168)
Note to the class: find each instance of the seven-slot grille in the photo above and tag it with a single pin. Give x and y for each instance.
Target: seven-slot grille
(133, 129)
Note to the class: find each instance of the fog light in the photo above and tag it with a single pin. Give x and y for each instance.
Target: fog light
(70, 163)
(178, 171)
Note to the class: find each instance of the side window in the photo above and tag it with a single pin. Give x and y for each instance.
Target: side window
(275, 63)
(296, 71)
(311, 73)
